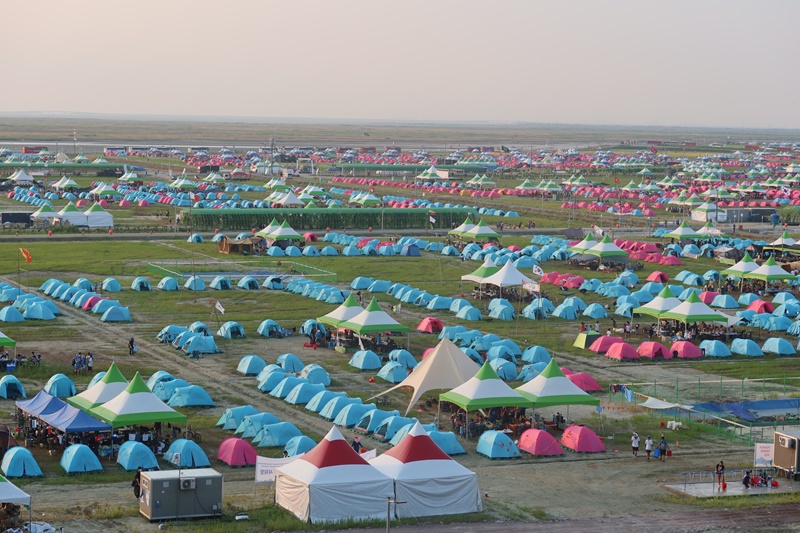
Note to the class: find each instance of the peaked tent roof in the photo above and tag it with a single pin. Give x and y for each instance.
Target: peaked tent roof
(349, 309)
(10, 493)
(285, 233)
(484, 390)
(136, 405)
(551, 387)
(481, 231)
(445, 367)
(606, 248)
(587, 243)
(373, 319)
(745, 265)
(112, 383)
(694, 310)
(463, 228)
(769, 271)
(684, 231)
(508, 276)
(484, 271)
(665, 301)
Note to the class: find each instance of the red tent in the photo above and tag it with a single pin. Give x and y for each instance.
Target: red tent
(310, 237)
(88, 304)
(430, 325)
(234, 451)
(760, 306)
(685, 350)
(582, 440)
(670, 261)
(585, 382)
(652, 350)
(540, 443)
(659, 276)
(605, 342)
(622, 351)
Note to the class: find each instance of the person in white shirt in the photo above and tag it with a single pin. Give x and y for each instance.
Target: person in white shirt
(635, 444)
(648, 446)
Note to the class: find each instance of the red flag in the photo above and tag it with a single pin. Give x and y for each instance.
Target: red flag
(26, 254)
(653, 149)
(616, 180)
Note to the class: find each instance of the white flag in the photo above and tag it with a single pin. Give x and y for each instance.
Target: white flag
(537, 270)
(218, 307)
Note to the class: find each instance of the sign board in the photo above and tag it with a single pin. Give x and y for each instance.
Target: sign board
(266, 466)
(763, 454)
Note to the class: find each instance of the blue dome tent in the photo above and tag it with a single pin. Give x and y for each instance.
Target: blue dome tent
(233, 416)
(290, 362)
(186, 454)
(111, 285)
(350, 414)
(252, 424)
(79, 458)
(250, 365)
(168, 283)
(141, 284)
(336, 404)
(321, 399)
(316, 375)
(231, 330)
(191, 396)
(133, 455)
(536, 354)
(393, 372)
(714, 348)
(298, 445)
(269, 328)
(302, 393)
(248, 283)
(272, 435)
(19, 462)
(497, 445)
(60, 386)
(116, 314)
(746, 347)
(365, 360)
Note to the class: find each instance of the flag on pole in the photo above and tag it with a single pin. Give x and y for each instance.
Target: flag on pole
(432, 219)
(537, 270)
(26, 254)
(218, 307)
(616, 180)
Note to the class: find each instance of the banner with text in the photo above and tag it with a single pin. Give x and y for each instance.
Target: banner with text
(266, 466)
(764, 453)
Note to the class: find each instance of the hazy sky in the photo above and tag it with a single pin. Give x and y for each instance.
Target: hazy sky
(683, 62)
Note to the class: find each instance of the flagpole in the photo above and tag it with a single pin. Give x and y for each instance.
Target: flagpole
(19, 276)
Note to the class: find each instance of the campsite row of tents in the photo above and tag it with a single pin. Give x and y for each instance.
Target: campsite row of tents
(81, 294)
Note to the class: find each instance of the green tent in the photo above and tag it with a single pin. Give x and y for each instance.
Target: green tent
(484, 390)
(136, 406)
(373, 319)
(551, 387)
(693, 310)
(108, 388)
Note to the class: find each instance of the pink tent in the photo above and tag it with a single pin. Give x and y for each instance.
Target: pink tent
(622, 351)
(125, 203)
(585, 382)
(707, 296)
(685, 350)
(566, 371)
(427, 352)
(88, 304)
(582, 440)
(760, 306)
(605, 342)
(652, 350)
(670, 261)
(81, 203)
(234, 451)
(658, 276)
(310, 237)
(540, 443)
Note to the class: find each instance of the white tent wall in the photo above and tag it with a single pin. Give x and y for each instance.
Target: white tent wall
(333, 498)
(99, 219)
(433, 496)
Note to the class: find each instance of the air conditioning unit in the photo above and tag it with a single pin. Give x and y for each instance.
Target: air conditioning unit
(188, 483)
(786, 442)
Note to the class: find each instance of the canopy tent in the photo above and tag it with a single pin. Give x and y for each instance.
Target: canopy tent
(373, 320)
(484, 271)
(769, 271)
(508, 276)
(112, 383)
(551, 387)
(427, 479)
(694, 310)
(484, 390)
(10, 493)
(586, 244)
(665, 301)
(70, 419)
(466, 226)
(684, 231)
(348, 310)
(42, 403)
(481, 231)
(136, 405)
(606, 248)
(745, 265)
(446, 367)
(317, 487)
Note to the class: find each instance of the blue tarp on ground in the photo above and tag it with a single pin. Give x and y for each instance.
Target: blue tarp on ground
(19, 462)
(133, 454)
(79, 458)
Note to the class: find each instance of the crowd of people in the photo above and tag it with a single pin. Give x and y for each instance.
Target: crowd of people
(83, 363)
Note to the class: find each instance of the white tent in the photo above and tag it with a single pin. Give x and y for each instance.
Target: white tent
(427, 479)
(332, 483)
(97, 217)
(21, 177)
(446, 367)
(508, 276)
(10, 493)
(71, 215)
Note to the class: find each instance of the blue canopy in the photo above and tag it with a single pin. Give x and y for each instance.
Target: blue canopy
(41, 404)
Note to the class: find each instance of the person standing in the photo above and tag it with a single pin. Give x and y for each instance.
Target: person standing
(662, 448)
(131, 346)
(635, 444)
(720, 473)
(357, 444)
(137, 483)
(90, 362)
(648, 447)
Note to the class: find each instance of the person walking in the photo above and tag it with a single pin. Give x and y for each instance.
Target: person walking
(720, 473)
(635, 444)
(662, 448)
(648, 447)
(131, 347)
